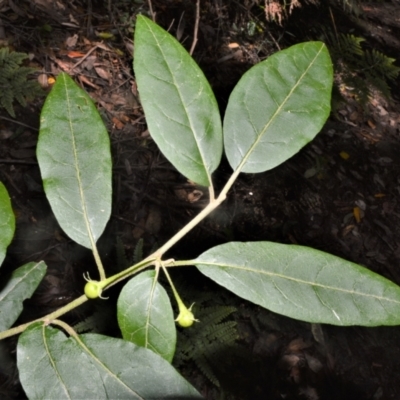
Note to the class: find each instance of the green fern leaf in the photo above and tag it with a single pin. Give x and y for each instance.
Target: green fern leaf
(13, 80)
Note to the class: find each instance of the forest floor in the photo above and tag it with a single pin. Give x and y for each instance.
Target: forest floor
(340, 194)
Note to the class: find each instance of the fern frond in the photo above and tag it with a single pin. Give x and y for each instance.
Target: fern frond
(359, 68)
(214, 314)
(378, 63)
(138, 252)
(122, 261)
(203, 342)
(97, 322)
(205, 367)
(13, 80)
(224, 332)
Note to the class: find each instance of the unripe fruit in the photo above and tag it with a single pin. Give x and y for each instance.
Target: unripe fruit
(93, 290)
(186, 319)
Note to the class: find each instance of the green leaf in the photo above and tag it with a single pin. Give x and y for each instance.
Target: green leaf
(277, 107)
(7, 222)
(181, 110)
(303, 283)
(145, 315)
(75, 162)
(23, 282)
(92, 366)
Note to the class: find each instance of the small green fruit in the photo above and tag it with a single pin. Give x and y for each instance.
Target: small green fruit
(93, 290)
(186, 318)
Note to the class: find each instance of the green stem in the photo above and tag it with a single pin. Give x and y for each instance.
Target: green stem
(187, 228)
(66, 327)
(47, 318)
(134, 269)
(155, 257)
(181, 263)
(98, 263)
(80, 300)
(175, 292)
(214, 203)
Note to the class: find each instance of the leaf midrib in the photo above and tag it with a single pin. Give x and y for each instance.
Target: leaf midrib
(183, 105)
(276, 113)
(297, 280)
(77, 167)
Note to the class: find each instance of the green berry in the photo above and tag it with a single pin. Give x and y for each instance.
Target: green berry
(186, 320)
(185, 317)
(92, 290)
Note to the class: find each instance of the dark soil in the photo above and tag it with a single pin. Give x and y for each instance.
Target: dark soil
(340, 194)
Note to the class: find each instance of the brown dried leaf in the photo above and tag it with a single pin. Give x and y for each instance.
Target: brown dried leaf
(71, 41)
(102, 73)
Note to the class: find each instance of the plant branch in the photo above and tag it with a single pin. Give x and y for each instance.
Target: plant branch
(199, 217)
(181, 263)
(134, 269)
(98, 260)
(65, 326)
(187, 228)
(47, 318)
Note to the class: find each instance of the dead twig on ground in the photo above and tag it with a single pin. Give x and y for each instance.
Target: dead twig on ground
(153, 16)
(196, 27)
(18, 122)
(4, 161)
(275, 42)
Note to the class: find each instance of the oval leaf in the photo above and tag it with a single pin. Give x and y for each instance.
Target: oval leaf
(21, 285)
(303, 283)
(145, 315)
(7, 222)
(75, 162)
(181, 110)
(93, 366)
(277, 107)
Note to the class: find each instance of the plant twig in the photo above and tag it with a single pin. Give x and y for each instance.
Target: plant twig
(196, 27)
(47, 318)
(153, 16)
(18, 122)
(274, 40)
(13, 161)
(85, 57)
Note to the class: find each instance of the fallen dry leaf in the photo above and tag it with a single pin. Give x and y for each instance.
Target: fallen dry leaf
(71, 41)
(102, 73)
(117, 123)
(233, 45)
(75, 54)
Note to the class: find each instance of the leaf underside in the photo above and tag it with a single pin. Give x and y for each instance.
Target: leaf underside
(303, 283)
(180, 107)
(277, 107)
(7, 222)
(21, 285)
(75, 162)
(108, 368)
(145, 315)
